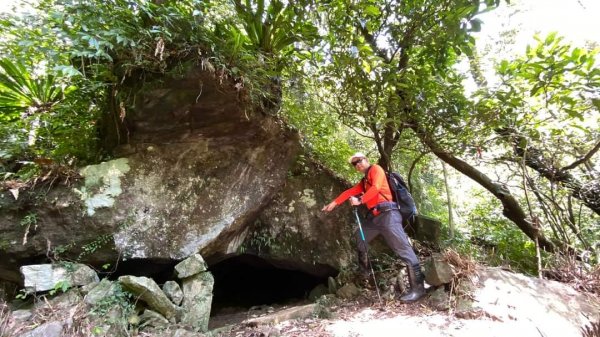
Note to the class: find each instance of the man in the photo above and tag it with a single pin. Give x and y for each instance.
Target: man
(383, 218)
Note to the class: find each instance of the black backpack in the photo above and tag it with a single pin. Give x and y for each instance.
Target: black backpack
(400, 195)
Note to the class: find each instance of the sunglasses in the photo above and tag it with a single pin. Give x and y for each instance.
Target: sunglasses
(354, 163)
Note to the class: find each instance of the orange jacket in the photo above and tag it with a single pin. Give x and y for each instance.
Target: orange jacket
(377, 188)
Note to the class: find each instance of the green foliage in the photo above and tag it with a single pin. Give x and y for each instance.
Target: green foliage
(323, 136)
(65, 65)
(37, 120)
(274, 28)
(93, 246)
(545, 113)
(550, 91)
(114, 309)
(23, 294)
(60, 285)
(22, 94)
(492, 239)
(28, 220)
(428, 190)
(90, 58)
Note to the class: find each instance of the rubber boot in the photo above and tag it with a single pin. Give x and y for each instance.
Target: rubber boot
(417, 288)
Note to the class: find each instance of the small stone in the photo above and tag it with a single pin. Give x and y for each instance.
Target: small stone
(61, 300)
(197, 300)
(173, 292)
(348, 291)
(439, 299)
(153, 318)
(22, 315)
(50, 329)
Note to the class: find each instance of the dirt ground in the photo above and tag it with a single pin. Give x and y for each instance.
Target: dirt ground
(505, 305)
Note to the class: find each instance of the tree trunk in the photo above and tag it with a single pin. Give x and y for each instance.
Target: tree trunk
(449, 197)
(512, 210)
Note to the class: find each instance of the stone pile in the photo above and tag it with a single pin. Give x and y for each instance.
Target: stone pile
(185, 302)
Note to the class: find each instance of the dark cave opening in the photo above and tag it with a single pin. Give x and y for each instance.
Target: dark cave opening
(160, 270)
(244, 281)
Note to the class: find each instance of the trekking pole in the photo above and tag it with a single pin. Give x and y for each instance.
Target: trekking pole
(362, 236)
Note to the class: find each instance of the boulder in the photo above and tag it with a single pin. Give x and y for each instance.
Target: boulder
(42, 277)
(199, 174)
(197, 300)
(148, 291)
(437, 271)
(103, 289)
(556, 309)
(192, 176)
(191, 266)
(317, 292)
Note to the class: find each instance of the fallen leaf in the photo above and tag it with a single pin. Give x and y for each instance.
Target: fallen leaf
(15, 192)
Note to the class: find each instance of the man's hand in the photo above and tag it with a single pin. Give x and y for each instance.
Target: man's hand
(329, 207)
(354, 201)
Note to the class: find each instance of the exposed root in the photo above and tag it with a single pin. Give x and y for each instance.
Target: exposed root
(463, 267)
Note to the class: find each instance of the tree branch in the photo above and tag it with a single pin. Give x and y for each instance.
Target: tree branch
(512, 210)
(585, 158)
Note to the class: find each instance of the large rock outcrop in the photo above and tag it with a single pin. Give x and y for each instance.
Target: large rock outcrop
(199, 168)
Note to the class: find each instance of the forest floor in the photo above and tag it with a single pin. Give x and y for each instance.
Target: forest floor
(517, 311)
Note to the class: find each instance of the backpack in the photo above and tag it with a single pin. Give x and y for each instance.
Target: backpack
(400, 195)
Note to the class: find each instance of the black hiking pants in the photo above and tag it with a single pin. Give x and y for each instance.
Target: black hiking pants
(389, 224)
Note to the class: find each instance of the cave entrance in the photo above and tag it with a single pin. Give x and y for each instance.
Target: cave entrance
(245, 281)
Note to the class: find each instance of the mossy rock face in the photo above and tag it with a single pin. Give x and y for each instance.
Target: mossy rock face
(202, 172)
(199, 164)
(202, 167)
(293, 227)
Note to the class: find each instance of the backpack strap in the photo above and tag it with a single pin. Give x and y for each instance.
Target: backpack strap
(365, 179)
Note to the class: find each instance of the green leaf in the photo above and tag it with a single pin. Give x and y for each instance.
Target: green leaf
(372, 10)
(68, 71)
(550, 38)
(366, 66)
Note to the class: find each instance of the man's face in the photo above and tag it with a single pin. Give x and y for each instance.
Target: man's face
(361, 164)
